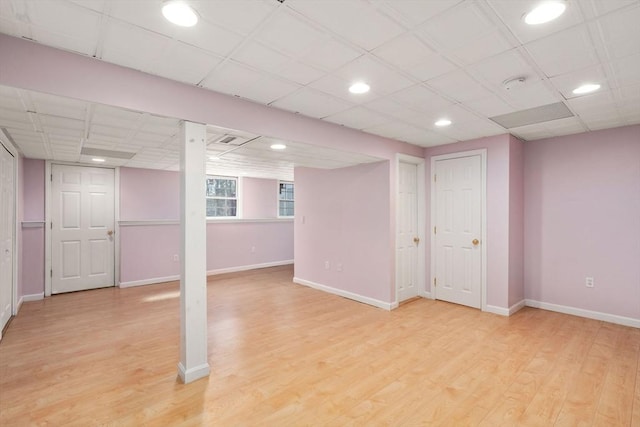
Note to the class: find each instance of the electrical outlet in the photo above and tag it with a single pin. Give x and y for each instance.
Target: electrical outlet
(589, 282)
(327, 265)
(175, 257)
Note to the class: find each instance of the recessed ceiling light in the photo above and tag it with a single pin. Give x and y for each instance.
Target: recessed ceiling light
(586, 88)
(359, 88)
(97, 160)
(278, 146)
(443, 122)
(545, 12)
(179, 13)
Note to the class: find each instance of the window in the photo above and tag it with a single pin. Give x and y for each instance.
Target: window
(285, 199)
(222, 196)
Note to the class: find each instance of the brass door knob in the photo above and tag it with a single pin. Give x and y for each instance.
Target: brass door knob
(416, 240)
(475, 242)
(110, 233)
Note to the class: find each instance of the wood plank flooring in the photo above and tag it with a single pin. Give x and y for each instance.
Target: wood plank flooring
(286, 355)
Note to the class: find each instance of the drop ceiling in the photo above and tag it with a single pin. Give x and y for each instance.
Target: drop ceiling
(423, 59)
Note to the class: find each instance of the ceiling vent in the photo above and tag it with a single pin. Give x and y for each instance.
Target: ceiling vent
(227, 139)
(106, 153)
(544, 113)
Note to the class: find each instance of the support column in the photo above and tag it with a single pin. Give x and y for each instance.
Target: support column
(193, 275)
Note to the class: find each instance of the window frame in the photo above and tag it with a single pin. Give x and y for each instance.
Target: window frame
(237, 198)
(280, 182)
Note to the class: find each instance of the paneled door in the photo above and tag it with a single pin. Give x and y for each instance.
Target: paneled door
(82, 226)
(458, 230)
(407, 239)
(7, 227)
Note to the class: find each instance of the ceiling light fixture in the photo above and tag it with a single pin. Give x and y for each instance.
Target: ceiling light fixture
(278, 146)
(545, 12)
(179, 13)
(443, 122)
(97, 160)
(359, 88)
(586, 88)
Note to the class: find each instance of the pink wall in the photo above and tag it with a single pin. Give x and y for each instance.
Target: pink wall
(147, 194)
(346, 215)
(147, 250)
(582, 218)
(32, 249)
(516, 221)
(497, 244)
(260, 198)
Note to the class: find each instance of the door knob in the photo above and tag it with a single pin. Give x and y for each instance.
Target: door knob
(416, 240)
(475, 242)
(110, 233)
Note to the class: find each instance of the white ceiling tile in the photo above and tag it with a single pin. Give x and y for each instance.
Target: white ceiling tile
(261, 57)
(312, 103)
(96, 5)
(592, 103)
(359, 118)
(403, 51)
(490, 106)
(144, 14)
(355, 20)
(330, 55)
(420, 98)
(505, 66)
(566, 83)
(85, 46)
(511, 13)
(431, 66)
(621, 32)
(240, 16)
(389, 107)
(299, 72)
(459, 86)
(185, 63)
(268, 89)
(289, 33)
(531, 95)
(416, 12)
(211, 38)
(482, 47)
(458, 26)
(626, 71)
(382, 79)
(132, 46)
(231, 78)
(565, 51)
(339, 87)
(64, 19)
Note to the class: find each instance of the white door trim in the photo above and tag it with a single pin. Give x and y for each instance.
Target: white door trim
(420, 164)
(8, 144)
(47, 223)
(483, 248)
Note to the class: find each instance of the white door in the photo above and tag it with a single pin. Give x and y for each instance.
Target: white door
(407, 240)
(82, 223)
(7, 226)
(458, 222)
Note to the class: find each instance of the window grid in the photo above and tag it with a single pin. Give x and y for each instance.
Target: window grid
(222, 196)
(286, 199)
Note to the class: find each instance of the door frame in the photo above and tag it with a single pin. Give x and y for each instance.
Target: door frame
(483, 209)
(6, 142)
(47, 219)
(420, 190)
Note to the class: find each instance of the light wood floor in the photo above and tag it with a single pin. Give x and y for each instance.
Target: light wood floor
(285, 355)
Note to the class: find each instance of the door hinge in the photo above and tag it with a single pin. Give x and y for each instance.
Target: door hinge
(51, 273)
(52, 225)
(435, 282)
(435, 179)
(51, 177)
(434, 230)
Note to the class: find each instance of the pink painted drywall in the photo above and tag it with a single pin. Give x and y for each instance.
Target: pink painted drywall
(516, 221)
(33, 176)
(259, 198)
(49, 70)
(147, 194)
(32, 249)
(343, 217)
(582, 218)
(147, 251)
(497, 244)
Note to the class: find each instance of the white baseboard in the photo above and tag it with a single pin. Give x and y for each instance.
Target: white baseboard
(345, 294)
(425, 294)
(192, 374)
(153, 281)
(496, 310)
(32, 297)
(156, 280)
(612, 318)
(516, 307)
(249, 267)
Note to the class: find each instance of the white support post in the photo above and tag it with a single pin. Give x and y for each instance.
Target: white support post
(193, 275)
